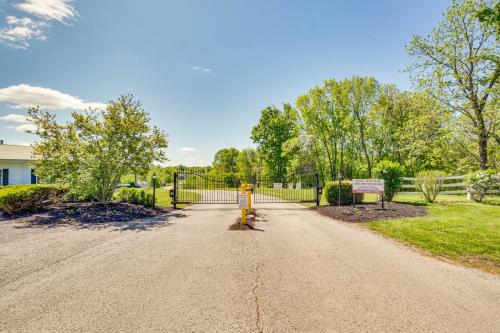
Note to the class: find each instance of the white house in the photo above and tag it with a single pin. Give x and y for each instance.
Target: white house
(16, 164)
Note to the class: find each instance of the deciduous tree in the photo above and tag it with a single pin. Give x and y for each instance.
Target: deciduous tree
(459, 64)
(92, 152)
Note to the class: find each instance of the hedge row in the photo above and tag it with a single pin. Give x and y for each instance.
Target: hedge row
(135, 196)
(331, 192)
(21, 198)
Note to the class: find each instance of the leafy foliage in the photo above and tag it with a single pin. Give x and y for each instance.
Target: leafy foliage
(247, 164)
(391, 173)
(458, 64)
(331, 193)
(491, 16)
(275, 127)
(21, 198)
(226, 162)
(91, 153)
(480, 182)
(429, 183)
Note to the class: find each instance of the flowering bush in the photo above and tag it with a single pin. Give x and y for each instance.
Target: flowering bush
(480, 182)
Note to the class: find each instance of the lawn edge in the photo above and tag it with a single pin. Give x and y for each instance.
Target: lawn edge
(458, 261)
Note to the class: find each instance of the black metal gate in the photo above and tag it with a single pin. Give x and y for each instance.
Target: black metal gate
(298, 187)
(195, 187)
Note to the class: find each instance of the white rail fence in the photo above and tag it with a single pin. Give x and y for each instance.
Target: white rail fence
(451, 185)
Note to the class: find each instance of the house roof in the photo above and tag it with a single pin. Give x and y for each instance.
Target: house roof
(16, 153)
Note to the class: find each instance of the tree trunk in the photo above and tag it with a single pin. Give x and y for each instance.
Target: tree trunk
(483, 149)
(335, 158)
(365, 151)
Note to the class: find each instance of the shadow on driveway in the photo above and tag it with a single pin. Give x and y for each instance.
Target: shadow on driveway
(115, 217)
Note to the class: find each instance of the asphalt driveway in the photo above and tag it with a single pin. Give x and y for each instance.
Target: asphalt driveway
(300, 272)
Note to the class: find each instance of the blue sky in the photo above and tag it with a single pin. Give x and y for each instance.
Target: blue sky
(203, 69)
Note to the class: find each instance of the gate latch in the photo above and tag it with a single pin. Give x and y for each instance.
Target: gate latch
(171, 193)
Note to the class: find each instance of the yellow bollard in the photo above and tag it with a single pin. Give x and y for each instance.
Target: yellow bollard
(249, 193)
(243, 210)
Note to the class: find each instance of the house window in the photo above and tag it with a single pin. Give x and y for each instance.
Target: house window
(34, 179)
(1, 177)
(4, 177)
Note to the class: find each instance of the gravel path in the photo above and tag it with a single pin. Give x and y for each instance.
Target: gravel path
(303, 272)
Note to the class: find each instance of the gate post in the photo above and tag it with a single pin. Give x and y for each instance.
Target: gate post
(316, 185)
(174, 199)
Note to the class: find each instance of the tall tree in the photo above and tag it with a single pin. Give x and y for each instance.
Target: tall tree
(491, 16)
(226, 161)
(412, 129)
(275, 127)
(247, 165)
(91, 153)
(326, 119)
(459, 64)
(363, 93)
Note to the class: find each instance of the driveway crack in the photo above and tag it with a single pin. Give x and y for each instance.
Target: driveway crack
(256, 297)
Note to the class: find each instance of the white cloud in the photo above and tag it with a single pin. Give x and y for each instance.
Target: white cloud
(202, 69)
(25, 95)
(56, 10)
(23, 128)
(186, 150)
(15, 118)
(19, 31)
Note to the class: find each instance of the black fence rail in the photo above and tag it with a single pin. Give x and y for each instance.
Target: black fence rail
(298, 187)
(192, 187)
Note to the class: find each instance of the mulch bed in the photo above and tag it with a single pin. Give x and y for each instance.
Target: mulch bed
(86, 213)
(371, 211)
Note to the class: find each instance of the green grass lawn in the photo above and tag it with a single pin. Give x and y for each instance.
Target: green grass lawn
(287, 194)
(459, 230)
(163, 197)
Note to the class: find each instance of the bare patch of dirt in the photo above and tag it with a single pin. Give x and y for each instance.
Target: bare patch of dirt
(87, 214)
(371, 211)
(252, 218)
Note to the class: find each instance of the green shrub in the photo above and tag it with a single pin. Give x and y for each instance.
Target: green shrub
(331, 192)
(135, 196)
(480, 182)
(22, 198)
(429, 183)
(391, 173)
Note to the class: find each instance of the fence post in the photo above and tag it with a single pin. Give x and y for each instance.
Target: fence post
(243, 210)
(316, 184)
(175, 191)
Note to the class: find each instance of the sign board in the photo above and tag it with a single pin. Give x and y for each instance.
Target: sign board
(290, 185)
(298, 186)
(243, 201)
(278, 185)
(368, 186)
